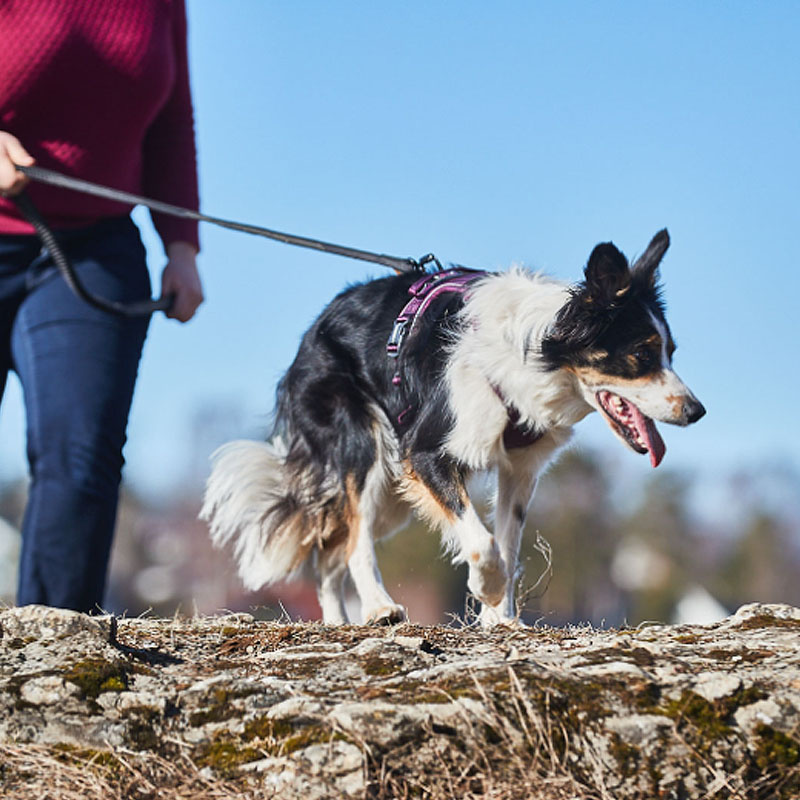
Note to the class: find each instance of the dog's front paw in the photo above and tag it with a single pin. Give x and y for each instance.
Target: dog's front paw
(488, 579)
(388, 615)
(491, 616)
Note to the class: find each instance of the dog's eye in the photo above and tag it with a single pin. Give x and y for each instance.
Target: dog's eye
(645, 358)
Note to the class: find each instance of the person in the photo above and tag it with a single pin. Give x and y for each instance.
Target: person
(99, 91)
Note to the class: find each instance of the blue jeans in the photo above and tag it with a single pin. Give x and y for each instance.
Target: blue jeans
(77, 366)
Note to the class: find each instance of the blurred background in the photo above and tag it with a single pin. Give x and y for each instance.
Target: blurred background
(490, 134)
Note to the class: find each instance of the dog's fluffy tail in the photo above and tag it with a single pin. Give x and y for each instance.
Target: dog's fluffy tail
(247, 502)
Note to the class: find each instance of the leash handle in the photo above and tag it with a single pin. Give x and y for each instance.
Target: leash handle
(400, 265)
(138, 309)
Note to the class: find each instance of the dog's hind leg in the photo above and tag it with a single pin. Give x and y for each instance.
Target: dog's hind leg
(331, 571)
(377, 607)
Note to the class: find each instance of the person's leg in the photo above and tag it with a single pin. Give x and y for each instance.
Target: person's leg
(16, 252)
(78, 367)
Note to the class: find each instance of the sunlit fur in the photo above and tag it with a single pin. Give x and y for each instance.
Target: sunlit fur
(362, 440)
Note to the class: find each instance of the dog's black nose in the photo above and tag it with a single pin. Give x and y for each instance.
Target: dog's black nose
(695, 410)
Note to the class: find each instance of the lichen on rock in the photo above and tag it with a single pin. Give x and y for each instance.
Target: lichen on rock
(306, 710)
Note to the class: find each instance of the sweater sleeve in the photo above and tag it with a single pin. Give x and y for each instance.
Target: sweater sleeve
(169, 166)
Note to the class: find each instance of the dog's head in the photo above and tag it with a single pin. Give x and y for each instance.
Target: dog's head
(613, 336)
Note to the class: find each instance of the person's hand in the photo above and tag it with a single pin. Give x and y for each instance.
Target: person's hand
(181, 278)
(12, 152)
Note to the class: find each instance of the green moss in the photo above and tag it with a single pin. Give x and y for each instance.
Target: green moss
(775, 749)
(219, 706)
(646, 696)
(113, 684)
(378, 666)
(414, 692)
(225, 756)
(744, 697)
(576, 701)
(705, 716)
(712, 719)
(142, 727)
(103, 760)
(306, 737)
(626, 755)
(265, 728)
(261, 737)
(95, 676)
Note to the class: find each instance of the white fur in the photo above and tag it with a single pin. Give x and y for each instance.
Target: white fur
(507, 316)
(245, 482)
(376, 604)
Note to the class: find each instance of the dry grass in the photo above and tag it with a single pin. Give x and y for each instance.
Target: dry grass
(508, 754)
(54, 773)
(514, 740)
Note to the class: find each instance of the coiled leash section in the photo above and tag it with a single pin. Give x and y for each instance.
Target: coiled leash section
(139, 309)
(43, 175)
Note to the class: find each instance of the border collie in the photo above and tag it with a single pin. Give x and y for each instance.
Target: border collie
(406, 385)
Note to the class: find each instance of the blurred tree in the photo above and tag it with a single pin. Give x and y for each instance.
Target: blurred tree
(762, 564)
(661, 524)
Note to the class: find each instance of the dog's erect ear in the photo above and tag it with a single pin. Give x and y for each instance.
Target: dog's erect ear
(647, 263)
(607, 275)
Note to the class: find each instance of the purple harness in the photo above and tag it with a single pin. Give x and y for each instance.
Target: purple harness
(423, 292)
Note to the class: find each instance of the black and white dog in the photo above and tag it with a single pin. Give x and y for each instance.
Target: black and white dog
(481, 371)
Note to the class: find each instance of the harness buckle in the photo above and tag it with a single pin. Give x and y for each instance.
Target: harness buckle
(396, 338)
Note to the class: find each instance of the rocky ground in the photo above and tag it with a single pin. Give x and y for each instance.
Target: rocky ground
(230, 707)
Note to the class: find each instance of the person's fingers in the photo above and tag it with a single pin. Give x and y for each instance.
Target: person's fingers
(12, 153)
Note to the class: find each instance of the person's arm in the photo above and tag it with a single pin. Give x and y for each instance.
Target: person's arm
(12, 181)
(170, 174)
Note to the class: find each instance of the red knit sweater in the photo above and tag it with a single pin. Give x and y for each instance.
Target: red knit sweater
(99, 89)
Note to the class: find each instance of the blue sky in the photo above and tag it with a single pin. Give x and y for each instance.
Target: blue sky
(490, 134)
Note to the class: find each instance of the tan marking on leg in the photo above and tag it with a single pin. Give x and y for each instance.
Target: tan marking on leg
(352, 516)
(414, 491)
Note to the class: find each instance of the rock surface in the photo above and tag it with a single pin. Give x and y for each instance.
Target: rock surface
(305, 710)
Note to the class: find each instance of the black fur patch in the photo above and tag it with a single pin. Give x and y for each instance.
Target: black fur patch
(327, 399)
(607, 324)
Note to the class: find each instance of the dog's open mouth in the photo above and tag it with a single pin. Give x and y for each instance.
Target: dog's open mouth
(636, 429)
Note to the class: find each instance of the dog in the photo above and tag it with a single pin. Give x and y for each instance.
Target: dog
(406, 385)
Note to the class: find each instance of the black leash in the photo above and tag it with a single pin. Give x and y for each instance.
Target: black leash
(64, 266)
(42, 175)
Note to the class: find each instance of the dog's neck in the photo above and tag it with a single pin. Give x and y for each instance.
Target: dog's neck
(495, 365)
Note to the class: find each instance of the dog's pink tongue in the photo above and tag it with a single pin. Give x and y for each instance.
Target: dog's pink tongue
(650, 435)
